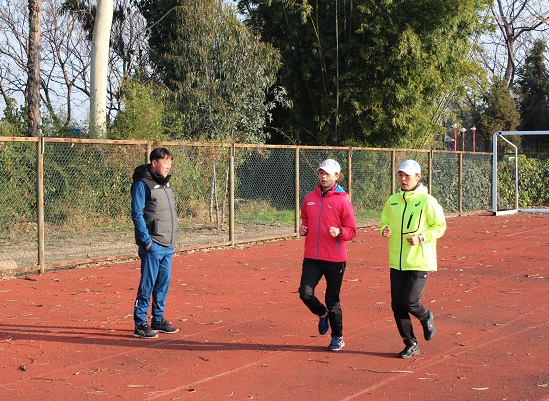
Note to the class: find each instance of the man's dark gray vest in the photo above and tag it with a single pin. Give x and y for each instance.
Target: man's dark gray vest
(159, 212)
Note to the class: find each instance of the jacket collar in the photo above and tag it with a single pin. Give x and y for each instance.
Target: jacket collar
(419, 189)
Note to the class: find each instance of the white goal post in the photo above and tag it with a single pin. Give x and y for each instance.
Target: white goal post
(502, 135)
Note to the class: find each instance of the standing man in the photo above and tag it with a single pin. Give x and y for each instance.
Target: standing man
(412, 220)
(327, 222)
(155, 222)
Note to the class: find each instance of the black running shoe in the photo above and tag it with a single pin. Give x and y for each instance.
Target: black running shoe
(429, 327)
(164, 327)
(144, 331)
(324, 324)
(410, 351)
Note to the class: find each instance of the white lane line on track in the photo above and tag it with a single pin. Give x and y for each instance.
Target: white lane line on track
(163, 393)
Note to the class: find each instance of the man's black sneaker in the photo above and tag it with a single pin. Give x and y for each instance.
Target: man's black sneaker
(429, 327)
(164, 327)
(410, 351)
(324, 324)
(144, 331)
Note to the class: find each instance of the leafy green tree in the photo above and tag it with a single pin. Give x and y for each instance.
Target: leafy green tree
(367, 72)
(142, 115)
(305, 36)
(497, 112)
(14, 122)
(218, 72)
(412, 56)
(533, 88)
(162, 24)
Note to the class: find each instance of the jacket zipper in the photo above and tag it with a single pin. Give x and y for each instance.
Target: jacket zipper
(402, 230)
(318, 224)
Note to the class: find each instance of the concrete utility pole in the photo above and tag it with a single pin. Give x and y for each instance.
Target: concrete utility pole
(99, 63)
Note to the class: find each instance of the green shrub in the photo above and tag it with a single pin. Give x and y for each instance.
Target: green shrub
(533, 182)
(18, 198)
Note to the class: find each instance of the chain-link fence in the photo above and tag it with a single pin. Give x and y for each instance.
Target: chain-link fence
(66, 202)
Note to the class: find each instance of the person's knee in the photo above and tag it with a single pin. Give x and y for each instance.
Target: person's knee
(410, 306)
(333, 304)
(306, 293)
(396, 306)
(400, 306)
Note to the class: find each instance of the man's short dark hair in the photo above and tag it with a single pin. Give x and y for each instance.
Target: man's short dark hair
(160, 153)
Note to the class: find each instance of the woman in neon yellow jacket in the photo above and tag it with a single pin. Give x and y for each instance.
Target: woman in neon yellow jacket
(412, 220)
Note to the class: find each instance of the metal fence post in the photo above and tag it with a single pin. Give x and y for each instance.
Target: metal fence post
(231, 195)
(40, 199)
(393, 170)
(147, 153)
(297, 195)
(430, 166)
(460, 185)
(350, 172)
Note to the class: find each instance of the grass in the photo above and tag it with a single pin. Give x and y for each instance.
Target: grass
(262, 213)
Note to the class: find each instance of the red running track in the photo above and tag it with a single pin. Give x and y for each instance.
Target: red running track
(245, 335)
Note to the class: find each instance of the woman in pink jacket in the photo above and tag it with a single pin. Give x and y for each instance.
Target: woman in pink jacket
(327, 222)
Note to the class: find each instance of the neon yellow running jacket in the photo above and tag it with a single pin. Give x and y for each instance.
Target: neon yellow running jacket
(413, 212)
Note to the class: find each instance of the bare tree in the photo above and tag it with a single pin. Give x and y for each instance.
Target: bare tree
(62, 66)
(127, 48)
(128, 51)
(33, 81)
(13, 48)
(65, 58)
(65, 84)
(518, 24)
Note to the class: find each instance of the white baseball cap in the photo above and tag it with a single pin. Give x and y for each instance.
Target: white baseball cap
(410, 167)
(330, 166)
